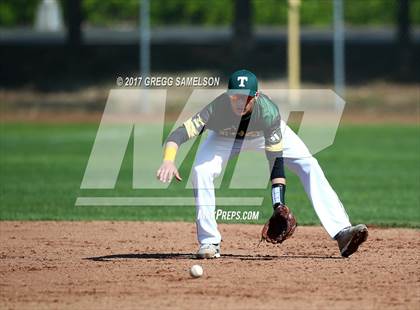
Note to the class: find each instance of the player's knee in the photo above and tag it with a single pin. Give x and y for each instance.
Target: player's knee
(309, 164)
(202, 170)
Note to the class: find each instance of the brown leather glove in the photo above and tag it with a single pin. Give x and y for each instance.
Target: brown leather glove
(280, 226)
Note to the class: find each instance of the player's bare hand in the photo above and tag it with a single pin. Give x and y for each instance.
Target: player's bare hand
(167, 171)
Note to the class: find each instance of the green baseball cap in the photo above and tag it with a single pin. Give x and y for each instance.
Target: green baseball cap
(243, 82)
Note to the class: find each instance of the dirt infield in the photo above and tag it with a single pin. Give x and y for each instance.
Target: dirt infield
(105, 265)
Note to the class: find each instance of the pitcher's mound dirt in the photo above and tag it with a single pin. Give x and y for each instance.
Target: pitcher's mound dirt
(109, 265)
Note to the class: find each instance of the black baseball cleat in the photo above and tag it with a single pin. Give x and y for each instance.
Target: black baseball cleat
(349, 239)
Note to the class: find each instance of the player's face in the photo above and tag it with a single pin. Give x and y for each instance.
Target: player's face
(241, 104)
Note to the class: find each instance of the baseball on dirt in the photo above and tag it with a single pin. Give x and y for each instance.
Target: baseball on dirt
(196, 271)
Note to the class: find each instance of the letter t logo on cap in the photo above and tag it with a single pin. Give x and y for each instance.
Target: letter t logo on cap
(242, 79)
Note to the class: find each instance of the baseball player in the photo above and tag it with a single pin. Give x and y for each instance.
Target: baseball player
(244, 119)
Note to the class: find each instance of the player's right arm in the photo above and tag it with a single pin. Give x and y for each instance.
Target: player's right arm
(191, 128)
(168, 169)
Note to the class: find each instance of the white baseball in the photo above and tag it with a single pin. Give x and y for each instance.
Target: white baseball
(196, 271)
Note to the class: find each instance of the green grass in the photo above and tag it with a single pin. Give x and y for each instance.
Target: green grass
(374, 169)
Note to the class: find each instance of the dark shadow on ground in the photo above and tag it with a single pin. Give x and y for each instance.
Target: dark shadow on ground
(192, 256)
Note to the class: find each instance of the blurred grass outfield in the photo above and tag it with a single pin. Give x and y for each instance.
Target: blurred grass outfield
(375, 170)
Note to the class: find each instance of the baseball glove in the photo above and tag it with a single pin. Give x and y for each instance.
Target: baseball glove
(280, 226)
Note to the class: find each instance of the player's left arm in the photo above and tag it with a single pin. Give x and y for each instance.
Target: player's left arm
(274, 154)
(282, 223)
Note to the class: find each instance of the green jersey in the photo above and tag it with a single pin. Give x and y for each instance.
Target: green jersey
(264, 120)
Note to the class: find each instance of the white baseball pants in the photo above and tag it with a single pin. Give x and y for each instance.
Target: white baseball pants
(216, 150)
